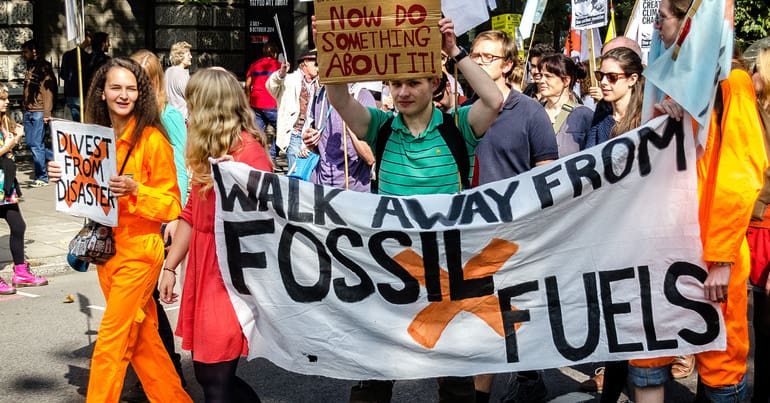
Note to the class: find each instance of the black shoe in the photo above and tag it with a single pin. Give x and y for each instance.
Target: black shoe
(525, 390)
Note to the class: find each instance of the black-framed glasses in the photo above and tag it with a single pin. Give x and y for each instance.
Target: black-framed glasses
(612, 78)
(484, 58)
(440, 96)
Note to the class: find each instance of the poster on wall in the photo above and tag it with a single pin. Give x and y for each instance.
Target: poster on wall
(261, 27)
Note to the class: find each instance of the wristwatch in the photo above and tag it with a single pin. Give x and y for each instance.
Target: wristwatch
(460, 56)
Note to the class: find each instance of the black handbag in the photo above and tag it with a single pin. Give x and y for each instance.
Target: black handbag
(94, 243)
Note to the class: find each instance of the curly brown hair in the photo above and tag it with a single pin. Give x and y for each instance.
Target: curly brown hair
(145, 109)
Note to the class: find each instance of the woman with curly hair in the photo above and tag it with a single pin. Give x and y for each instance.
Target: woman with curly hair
(221, 126)
(121, 96)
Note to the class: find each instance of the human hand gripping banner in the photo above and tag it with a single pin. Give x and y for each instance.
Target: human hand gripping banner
(86, 154)
(593, 257)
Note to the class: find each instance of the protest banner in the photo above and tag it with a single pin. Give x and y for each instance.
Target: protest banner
(640, 26)
(589, 14)
(591, 258)
(377, 40)
(86, 154)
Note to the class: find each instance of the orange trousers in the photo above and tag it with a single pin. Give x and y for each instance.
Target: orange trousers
(129, 328)
(724, 368)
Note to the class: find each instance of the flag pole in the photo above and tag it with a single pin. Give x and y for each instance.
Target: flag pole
(526, 58)
(633, 13)
(591, 57)
(81, 36)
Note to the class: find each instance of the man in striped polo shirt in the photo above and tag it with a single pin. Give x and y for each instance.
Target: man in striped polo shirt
(416, 159)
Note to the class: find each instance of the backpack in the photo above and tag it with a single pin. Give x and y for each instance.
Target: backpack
(452, 137)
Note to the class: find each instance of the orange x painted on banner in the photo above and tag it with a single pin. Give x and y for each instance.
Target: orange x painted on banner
(82, 179)
(429, 324)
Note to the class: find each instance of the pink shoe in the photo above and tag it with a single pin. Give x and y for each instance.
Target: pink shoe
(6, 289)
(23, 278)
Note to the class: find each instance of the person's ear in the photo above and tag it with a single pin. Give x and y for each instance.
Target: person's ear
(633, 79)
(507, 67)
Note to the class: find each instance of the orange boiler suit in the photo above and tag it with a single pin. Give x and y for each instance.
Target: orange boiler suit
(129, 327)
(730, 176)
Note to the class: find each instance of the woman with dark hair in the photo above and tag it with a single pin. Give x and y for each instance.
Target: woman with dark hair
(122, 97)
(622, 84)
(570, 119)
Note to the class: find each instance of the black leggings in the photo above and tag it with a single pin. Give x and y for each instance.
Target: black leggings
(220, 385)
(12, 215)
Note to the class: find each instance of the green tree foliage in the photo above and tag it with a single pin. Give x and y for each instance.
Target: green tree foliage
(752, 21)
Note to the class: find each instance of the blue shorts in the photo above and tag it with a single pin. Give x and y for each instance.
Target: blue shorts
(646, 377)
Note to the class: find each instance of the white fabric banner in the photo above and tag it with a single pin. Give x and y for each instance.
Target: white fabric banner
(589, 14)
(594, 257)
(86, 154)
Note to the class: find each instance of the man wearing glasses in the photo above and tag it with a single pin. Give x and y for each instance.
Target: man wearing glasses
(535, 53)
(293, 91)
(520, 138)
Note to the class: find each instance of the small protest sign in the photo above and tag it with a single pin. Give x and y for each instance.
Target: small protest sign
(589, 14)
(377, 40)
(86, 154)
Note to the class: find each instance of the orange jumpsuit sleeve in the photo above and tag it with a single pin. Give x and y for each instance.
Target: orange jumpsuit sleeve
(158, 197)
(730, 173)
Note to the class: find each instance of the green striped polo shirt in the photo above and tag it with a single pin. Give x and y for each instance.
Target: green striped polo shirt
(418, 165)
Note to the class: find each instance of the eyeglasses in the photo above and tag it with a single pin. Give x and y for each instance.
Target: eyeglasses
(612, 78)
(537, 76)
(439, 97)
(484, 58)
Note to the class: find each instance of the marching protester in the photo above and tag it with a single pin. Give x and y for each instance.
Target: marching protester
(758, 237)
(570, 119)
(293, 92)
(405, 170)
(221, 126)
(72, 75)
(10, 132)
(261, 101)
(40, 89)
(535, 53)
(730, 174)
(121, 97)
(178, 74)
(518, 140)
(345, 160)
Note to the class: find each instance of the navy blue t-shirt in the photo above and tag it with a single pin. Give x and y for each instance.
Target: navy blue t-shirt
(520, 137)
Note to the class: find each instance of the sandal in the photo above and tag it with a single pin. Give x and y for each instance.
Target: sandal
(595, 383)
(683, 366)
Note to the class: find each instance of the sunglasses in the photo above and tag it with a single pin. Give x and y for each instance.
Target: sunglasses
(439, 97)
(612, 78)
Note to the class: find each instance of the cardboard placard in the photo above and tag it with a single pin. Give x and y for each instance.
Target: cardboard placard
(377, 40)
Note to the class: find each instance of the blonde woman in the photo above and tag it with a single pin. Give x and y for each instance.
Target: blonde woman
(178, 75)
(221, 125)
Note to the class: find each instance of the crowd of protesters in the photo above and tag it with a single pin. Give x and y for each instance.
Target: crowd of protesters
(170, 125)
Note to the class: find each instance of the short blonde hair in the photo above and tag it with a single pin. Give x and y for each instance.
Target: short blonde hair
(177, 52)
(219, 112)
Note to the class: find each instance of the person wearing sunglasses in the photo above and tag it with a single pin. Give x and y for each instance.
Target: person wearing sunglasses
(730, 175)
(622, 85)
(570, 120)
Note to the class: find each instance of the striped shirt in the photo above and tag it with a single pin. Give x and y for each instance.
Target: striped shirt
(418, 165)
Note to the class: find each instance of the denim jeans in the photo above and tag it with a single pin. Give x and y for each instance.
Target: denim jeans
(295, 144)
(725, 394)
(266, 117)
(73, 104)
(34, 131)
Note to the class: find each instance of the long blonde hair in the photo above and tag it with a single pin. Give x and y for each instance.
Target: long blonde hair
(6, 121)
(151, 64)
(219, 112)
(762, 67)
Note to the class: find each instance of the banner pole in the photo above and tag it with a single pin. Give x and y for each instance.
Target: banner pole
(633, 13)
(591, 58)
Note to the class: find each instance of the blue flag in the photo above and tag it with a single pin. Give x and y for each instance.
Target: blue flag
(690, 70)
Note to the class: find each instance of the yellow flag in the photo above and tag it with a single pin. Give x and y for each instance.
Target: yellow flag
(611, 32)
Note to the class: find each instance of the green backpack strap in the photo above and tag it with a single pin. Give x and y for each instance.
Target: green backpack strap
(566, 109)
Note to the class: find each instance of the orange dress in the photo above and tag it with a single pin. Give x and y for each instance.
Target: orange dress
(207, 321)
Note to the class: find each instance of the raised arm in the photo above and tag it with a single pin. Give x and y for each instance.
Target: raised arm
(353, 113)
(484, 111)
